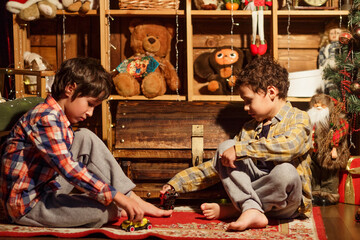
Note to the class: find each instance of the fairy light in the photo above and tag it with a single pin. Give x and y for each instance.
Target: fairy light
(288, 33)
(177, 49)
(63, 37)
(233, 23)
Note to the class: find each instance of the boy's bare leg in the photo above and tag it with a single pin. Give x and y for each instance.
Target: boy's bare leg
(251, 218)
(149, 209)
(217, 211)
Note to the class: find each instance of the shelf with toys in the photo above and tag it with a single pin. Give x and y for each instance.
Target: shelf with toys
(104, 34)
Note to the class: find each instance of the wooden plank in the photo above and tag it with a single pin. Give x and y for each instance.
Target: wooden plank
(298, 59)
(299, 41)
(166, 155)
(167, 125)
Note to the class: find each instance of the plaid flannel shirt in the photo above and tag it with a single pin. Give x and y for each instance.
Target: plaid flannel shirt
(38, 150)
(289, 140)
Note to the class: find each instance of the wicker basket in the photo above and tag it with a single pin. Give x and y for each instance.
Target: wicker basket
(149, 4)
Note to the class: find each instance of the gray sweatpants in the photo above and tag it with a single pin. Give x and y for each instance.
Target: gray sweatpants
(62, 209)
(277, 193)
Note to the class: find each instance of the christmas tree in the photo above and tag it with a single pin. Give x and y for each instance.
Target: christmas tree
(343, 80)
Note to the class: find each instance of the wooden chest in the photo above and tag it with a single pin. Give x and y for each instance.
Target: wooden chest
(154, 140)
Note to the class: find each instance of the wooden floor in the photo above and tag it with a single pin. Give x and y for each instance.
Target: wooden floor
(339, 222)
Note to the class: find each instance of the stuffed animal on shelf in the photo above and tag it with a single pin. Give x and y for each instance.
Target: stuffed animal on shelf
(29, 10)
(149, 68)
(257, 8)
(81, 6)
(35, 62)
(220, 67)
(330, 147)
(208, 4)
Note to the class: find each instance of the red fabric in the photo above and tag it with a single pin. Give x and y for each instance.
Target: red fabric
(19, 1)
(184, 225)
(355, 180)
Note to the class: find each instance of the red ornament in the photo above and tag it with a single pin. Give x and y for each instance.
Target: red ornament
(345, 37)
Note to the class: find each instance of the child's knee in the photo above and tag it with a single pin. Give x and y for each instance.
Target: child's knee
(285, 173)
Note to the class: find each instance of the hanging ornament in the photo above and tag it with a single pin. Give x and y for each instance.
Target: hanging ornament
(345, 37)
(355, 88)
(356, 31)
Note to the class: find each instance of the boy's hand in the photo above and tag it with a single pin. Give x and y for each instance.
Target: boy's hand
(228, 157)
(131, 207)
(165, 188)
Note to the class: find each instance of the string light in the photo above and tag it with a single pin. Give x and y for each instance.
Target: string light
(233, 23)
(288, 33)
(177, 49)
(63, 36)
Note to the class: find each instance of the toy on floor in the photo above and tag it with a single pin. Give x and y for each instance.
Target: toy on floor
(167, 199)
(357, 215)
(130, 226)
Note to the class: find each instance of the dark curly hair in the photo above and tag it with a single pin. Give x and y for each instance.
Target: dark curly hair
(262, 72)
(91, 78)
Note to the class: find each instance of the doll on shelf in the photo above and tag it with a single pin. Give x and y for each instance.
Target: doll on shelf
(257, 8)
(329, 44)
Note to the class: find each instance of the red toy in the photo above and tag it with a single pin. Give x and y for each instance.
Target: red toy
(167, 199)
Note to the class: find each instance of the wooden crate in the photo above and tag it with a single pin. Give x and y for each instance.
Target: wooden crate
(154, 140)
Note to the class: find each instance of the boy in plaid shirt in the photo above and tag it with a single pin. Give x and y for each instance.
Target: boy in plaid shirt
(265, 170)
(43, 159)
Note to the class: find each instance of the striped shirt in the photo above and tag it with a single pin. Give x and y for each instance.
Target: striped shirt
(288, 140)
(35, 153)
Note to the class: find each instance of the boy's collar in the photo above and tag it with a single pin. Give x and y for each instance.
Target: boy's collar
(282, 113)
(55, 105)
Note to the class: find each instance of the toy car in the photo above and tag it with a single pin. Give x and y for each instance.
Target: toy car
(167, 199)
(130, 226)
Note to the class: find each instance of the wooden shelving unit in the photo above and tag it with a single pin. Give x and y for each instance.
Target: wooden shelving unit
(302, 53)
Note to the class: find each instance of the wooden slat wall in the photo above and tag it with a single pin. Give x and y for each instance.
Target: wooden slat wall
(168, 125)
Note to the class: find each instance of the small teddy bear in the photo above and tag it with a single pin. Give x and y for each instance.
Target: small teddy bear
(30, 10)
(149, 68)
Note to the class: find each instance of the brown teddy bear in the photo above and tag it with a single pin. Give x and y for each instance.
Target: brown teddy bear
(29, 10)
(149, 68)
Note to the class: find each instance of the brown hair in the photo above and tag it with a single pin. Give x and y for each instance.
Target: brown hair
(91, 79)
(262, 72)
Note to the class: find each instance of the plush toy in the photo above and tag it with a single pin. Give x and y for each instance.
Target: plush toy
(330, 147)
(208, 4)
(149, 69)
(81, 6)
(29, 10)
(257, 8)
(35, 62)
(220, 67)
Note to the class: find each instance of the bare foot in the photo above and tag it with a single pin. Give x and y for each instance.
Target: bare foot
(150, 209)
(251, 218)
(216, 211)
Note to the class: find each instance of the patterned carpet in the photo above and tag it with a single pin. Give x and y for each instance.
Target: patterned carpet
(186, 223)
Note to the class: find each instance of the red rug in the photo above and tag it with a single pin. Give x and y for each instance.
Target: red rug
(186, 223)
